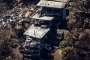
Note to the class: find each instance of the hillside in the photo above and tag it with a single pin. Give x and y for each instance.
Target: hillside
(75, 44)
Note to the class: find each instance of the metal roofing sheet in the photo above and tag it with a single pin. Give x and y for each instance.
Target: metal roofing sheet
(52, 4)
(36, 32)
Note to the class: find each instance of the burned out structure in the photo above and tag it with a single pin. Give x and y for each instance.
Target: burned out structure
(41, 37)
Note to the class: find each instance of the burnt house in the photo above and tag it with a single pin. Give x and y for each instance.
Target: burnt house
(35, 40)
(42, 35)
(53, 8)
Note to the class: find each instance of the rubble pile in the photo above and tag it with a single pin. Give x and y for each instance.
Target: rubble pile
(6, 21)
(17, 15)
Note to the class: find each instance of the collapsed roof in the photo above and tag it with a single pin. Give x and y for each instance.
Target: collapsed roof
(36, 32)
(52, 4)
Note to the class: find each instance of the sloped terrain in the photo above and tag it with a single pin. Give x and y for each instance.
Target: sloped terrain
(76, 43)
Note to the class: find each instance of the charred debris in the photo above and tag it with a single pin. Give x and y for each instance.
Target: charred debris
(40, 24)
